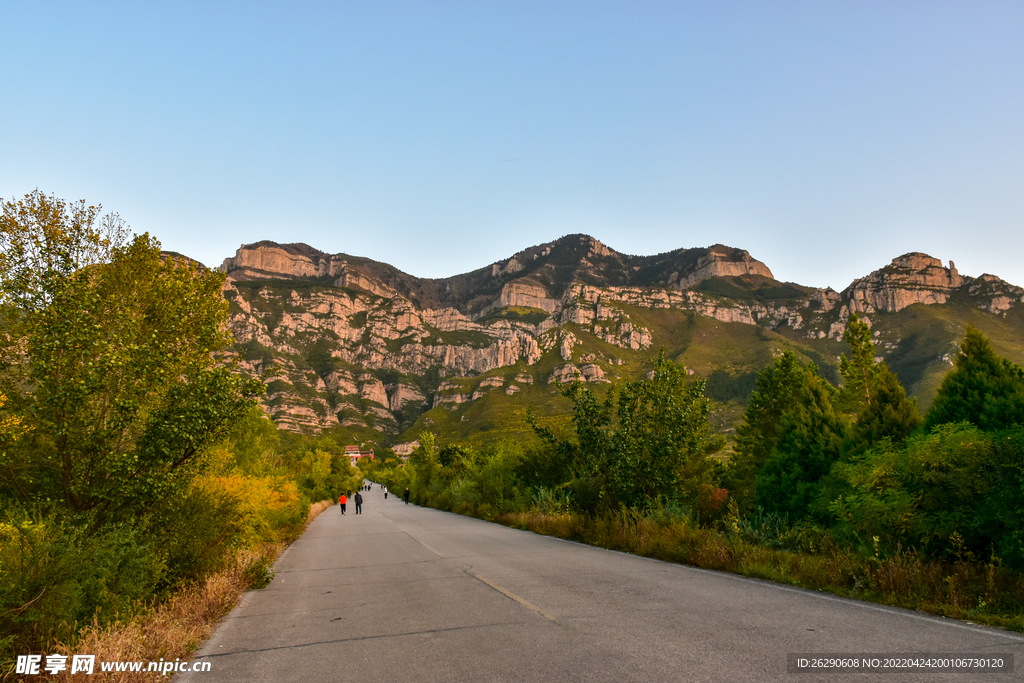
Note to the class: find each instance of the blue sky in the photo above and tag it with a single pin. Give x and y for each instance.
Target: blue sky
(825, 138)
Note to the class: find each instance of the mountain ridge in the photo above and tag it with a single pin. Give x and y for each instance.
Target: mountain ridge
(359, 344)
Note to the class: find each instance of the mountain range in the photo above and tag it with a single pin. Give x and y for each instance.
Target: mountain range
(360, 346)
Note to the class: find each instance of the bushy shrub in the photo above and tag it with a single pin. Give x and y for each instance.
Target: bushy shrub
(952, 491)
(264, 508)
(59, 575)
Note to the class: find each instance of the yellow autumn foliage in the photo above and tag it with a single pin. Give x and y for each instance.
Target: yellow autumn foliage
(267, 508)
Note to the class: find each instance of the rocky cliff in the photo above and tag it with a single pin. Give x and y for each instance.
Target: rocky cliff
(357, 342)
(910, 279)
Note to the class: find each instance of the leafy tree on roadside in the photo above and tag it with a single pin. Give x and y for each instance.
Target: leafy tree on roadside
(424, 468)
(453, 456)
(656, 449)
(113, 400)
(663, 437)
(955, 489)
(588, 459)
(107, 352)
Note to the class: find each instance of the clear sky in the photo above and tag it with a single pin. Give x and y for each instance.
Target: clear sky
(824, 137)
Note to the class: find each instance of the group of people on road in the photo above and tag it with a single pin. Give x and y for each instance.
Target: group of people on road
(358, 498)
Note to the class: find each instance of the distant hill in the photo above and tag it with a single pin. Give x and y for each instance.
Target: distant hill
(361, 346)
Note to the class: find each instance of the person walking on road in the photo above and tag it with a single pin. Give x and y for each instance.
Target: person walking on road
(385, 492)
(405, 496)
(341, 503)
(359, 503)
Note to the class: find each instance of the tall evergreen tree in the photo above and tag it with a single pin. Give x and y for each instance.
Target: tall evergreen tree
(778, 388)
(982, 388)
(889, 415)
(810, 438)
(859, 370)
(873, 393)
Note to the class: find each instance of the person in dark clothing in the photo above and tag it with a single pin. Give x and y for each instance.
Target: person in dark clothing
(405, 496)
(359, 502)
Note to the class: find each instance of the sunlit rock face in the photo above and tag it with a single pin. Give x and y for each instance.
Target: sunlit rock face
(910, 279)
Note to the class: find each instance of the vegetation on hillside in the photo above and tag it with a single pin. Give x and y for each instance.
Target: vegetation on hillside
(849, 489)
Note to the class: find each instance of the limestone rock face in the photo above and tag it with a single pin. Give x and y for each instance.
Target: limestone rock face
(996, 295)
(718, 263)
(372, 389)
(512, 266)
(402, 394)
(592, 373)
(450, 399)
(826, 299)
(565, 348)
(271, 261)
(913, 278)
(528, 295)
(564, 373)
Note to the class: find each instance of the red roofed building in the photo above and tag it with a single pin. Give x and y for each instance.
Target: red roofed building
(354, 453)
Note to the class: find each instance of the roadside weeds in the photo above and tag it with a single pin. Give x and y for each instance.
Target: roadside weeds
(983, 593)
(178, 627)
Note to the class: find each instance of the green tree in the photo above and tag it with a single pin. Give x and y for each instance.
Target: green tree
(453, 458)
(589, 459)
(889, 415)
(316, 465)
(873, 393)
(663, 438)
(251, 446)
(950, 490)
(810, 438)
(656, 450)
(859, 371)
(982, 388)
(424, 468)
(107, 351)
(778, 388)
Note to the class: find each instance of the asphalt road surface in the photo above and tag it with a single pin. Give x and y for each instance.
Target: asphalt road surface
(405, 593)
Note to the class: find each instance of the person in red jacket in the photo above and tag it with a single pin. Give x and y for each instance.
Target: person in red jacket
(341, 502)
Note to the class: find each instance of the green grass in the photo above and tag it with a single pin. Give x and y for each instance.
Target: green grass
(471, 338)
(753, 289)
(525, 314)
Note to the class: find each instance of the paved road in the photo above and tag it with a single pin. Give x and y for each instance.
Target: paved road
(404, 593)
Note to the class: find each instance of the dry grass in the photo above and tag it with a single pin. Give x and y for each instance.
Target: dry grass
(177, 627)
(316, 508)
(173, 629)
